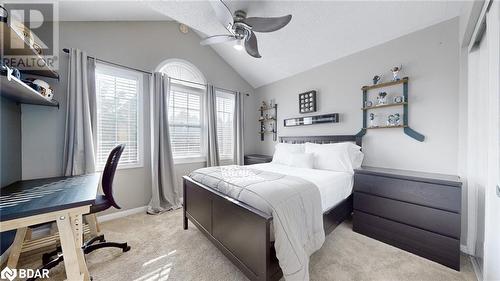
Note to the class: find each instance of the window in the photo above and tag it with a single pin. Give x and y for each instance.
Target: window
(185, 120)
(225, 126)
(185, 110)
(119, 114)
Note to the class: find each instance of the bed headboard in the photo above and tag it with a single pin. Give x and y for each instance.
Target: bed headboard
(322, 139)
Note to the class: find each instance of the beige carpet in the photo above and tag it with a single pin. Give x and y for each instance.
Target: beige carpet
(162, 250)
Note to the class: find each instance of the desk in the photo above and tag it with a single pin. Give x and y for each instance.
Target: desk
(64, 200)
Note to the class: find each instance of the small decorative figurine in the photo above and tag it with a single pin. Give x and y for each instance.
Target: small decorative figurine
(264, 105)
(376, 79)
(395, 72)
(397, 119)
(368, 103)
(398, 99)
(390, 120)
(372, 120)
(382, 98)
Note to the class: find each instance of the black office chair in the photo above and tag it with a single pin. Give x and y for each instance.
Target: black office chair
(102, 202)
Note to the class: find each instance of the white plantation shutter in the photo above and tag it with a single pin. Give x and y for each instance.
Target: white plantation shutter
(185, 121)
(225, 126)
(119, 108)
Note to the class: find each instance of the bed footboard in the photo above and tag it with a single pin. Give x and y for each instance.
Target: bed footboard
(227, 222)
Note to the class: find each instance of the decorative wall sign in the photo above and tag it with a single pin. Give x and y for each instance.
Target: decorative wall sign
(318, 119)
(307, 102)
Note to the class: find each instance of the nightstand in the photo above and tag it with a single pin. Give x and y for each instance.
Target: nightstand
(257, 159)
(414, 211)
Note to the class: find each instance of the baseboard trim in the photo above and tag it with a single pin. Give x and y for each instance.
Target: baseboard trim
(122, 214)
(477, 268)
(465, 249)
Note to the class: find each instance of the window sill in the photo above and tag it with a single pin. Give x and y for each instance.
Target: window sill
(189, 160)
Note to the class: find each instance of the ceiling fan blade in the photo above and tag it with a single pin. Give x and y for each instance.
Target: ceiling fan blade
(251, 45)
(268, 24)
(216, 39)
(223, 14)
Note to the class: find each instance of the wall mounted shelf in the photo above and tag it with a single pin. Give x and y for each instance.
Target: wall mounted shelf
(386, 127)
(266, 121)
(384, 105)
(407, 130)
(17, 40)
(385, 84)
(16, 90)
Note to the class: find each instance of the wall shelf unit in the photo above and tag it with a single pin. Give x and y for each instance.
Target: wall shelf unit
(18, 91)
(18, 40)
(407, 130)
(384, 105)
(386, 127)
(268, 116)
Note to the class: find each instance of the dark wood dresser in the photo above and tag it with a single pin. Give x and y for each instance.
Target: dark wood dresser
(414, 211)
(257, 159)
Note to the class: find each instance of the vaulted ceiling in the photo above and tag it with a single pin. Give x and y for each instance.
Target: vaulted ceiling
(320, 31)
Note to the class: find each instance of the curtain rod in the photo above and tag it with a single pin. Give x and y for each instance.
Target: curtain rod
(66, 50)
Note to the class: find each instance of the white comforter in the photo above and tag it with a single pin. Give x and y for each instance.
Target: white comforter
(294, 203)
(333, 186)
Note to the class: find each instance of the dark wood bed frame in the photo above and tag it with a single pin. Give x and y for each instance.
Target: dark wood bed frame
(242, 232)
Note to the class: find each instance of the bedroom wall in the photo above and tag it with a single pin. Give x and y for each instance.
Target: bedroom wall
(10, 154)
(142, 45)
(10, 142)
(429, 57)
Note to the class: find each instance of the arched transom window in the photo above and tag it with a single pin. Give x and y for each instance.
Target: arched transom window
(185, 110)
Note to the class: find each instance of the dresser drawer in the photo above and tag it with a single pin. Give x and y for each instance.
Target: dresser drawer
(432, 195)
(438, 221)
(439, 248)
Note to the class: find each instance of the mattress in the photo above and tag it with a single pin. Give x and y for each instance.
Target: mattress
(333, 187)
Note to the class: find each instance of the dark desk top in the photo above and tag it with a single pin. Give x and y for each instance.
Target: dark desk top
(411, 175)
(33, 197)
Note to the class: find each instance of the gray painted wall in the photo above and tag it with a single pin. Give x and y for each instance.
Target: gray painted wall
(10, 142)
(142, 45)
(430, 57)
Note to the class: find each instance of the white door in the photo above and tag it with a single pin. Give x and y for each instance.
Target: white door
(491, 260)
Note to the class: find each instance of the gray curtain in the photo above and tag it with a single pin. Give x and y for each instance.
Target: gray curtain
(165, 195)
(79, 156)
(239, 149)
(212, 149)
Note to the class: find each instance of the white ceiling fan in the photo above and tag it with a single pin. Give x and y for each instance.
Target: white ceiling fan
(242, 29)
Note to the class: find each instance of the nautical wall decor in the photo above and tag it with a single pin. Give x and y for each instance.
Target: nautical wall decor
(396, 120)
(307, 102)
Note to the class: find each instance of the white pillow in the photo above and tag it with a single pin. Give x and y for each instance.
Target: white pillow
(301, 160)
(283, 151)
(340, 157)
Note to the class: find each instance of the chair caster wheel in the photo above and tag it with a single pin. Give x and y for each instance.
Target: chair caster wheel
(126, 249)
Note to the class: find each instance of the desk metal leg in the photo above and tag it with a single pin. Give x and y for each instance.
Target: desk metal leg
(17, 245)
(69, 231)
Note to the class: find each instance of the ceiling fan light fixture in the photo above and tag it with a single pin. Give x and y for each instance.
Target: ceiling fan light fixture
(238, 45)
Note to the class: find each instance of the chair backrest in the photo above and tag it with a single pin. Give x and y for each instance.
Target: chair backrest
(109, 173)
